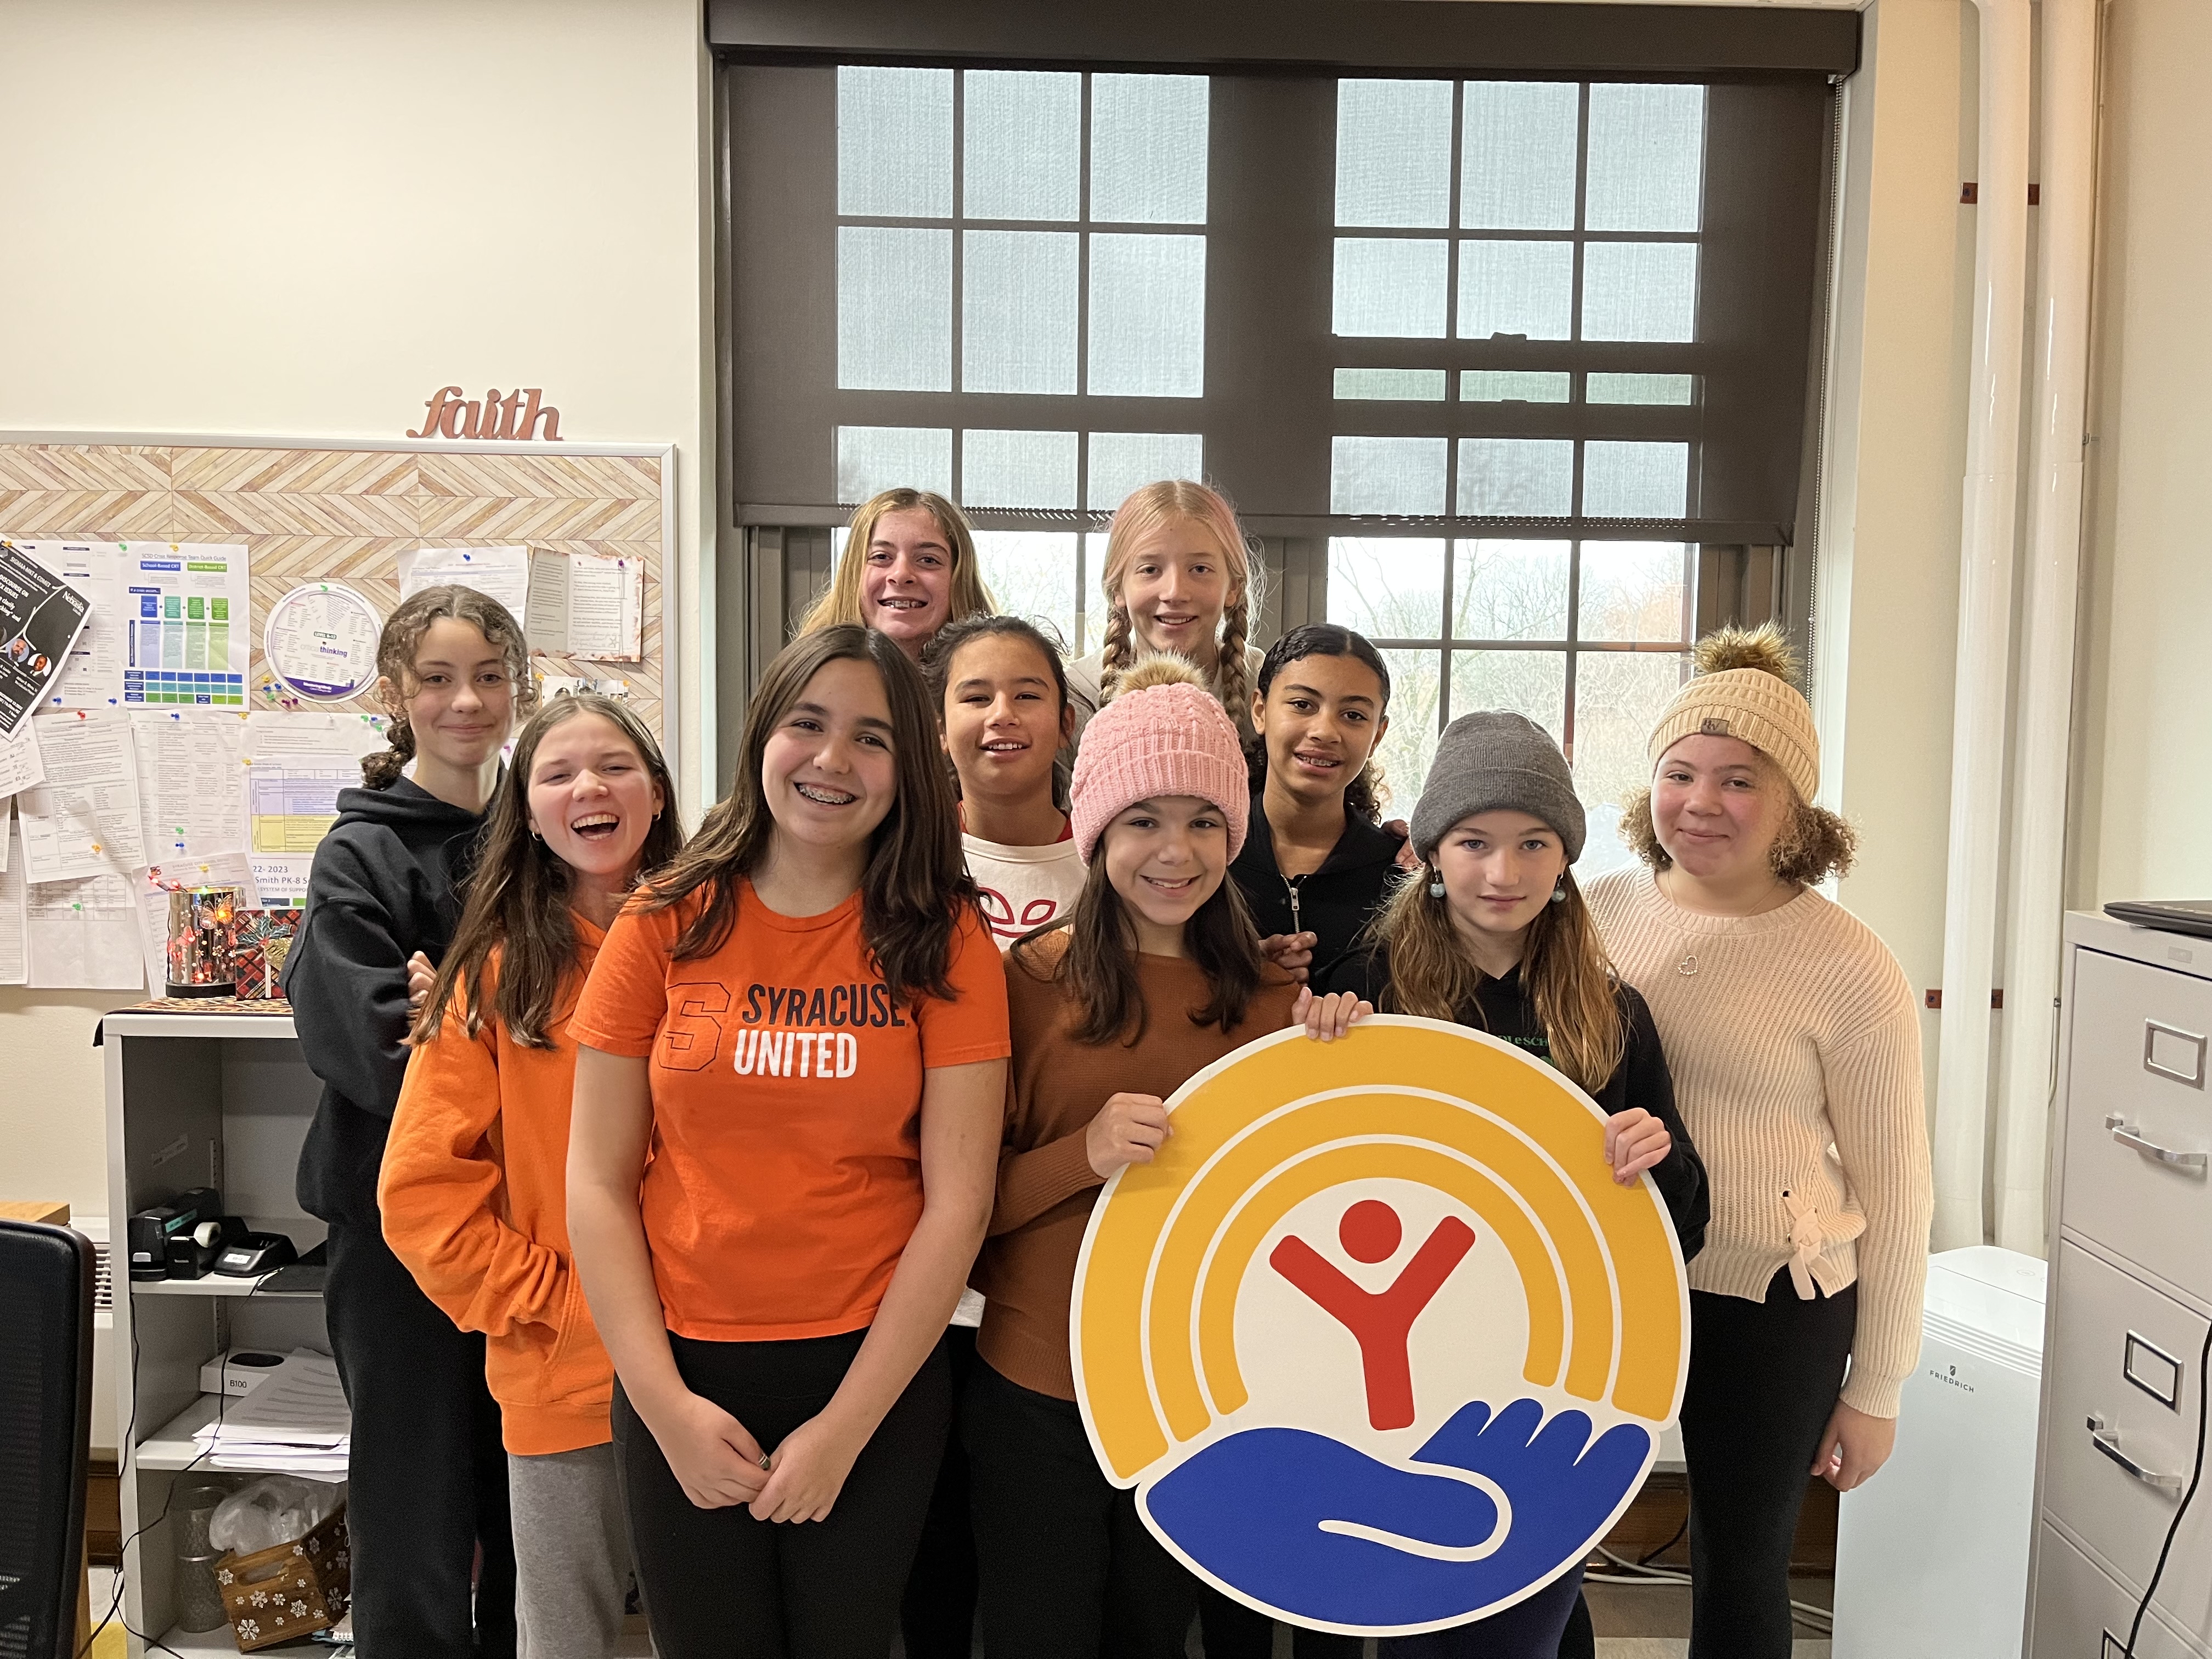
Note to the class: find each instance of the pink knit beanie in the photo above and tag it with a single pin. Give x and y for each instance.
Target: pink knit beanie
(1164, 733)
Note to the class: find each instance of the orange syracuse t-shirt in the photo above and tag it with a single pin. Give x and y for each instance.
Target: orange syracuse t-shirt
(784, 1177)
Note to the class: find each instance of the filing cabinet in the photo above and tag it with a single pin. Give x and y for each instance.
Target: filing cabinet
(2130, 1301)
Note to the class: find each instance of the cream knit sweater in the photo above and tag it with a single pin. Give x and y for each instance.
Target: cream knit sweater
(1795, 1053)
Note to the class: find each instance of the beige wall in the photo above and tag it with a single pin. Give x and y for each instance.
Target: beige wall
(2143, 711)
(248, 216)
(1886, 619)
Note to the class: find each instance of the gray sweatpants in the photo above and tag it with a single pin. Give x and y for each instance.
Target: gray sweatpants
(571, 1553)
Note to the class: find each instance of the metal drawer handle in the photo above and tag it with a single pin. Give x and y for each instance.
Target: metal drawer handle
(2194, 1162)
(2107, 1441)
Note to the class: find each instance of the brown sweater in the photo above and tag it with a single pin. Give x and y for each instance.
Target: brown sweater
(1046, 1184)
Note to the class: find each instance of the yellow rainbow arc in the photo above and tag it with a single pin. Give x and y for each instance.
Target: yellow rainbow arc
(1414, 1099)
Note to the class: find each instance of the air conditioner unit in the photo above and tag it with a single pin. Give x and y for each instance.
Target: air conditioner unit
(1931, 1554)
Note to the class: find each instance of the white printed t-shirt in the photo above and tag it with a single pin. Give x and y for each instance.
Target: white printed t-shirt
(1024, 887)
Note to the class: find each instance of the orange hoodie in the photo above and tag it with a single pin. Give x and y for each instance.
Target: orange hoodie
(474, 1193)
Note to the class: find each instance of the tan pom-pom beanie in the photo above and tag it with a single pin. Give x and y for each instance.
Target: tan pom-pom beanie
(1746, 688)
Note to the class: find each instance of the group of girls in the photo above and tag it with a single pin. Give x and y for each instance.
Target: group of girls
(707, 1211)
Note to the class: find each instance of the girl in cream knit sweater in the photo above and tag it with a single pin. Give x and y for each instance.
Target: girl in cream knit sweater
(1795, 1047)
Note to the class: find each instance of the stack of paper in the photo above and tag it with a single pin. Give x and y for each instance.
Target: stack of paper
(296, 1422)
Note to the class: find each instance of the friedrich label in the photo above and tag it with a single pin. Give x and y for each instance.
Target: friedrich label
(515, 415)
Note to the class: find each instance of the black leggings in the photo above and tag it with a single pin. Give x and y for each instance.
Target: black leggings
(1764, 1379)
(1068, 1568)
(937, 1616)
(427, 1473)
(719, 1584)
(1234, 1630)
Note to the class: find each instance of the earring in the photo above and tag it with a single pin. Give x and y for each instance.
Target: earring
(1435, 883)
(1559, 893)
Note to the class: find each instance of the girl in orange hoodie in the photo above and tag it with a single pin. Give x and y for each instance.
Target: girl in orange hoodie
(474, 1191)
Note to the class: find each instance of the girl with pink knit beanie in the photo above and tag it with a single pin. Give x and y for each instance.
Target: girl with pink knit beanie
(1158, 974)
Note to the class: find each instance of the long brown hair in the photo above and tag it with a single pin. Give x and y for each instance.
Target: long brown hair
(1178, 501)
(1563, 964)
(518, 895)
(840, 601)
(395, 660)
(915, 882)
(1098, 970)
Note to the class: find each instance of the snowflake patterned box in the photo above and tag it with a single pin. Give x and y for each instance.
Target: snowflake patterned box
(294, 1589)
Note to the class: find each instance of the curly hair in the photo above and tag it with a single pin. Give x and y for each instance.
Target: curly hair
(1813, 845)
(395, 661)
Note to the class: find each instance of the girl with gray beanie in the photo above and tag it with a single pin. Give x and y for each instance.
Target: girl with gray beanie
(1492, 932)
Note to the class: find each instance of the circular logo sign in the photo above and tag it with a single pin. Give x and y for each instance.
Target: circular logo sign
(1378, 1340)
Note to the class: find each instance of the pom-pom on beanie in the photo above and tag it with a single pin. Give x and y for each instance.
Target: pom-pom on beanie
(1164, 733)
(1746, 687)
(1492, 761)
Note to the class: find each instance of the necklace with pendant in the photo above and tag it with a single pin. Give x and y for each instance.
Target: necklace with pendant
(1688, 967)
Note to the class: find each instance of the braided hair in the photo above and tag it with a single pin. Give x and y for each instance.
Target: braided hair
(395, 661)
(1151, 507)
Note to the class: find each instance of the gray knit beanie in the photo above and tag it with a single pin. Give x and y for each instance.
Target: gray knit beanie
(1490, 759)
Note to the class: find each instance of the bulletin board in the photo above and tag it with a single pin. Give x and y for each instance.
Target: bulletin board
(335, 510)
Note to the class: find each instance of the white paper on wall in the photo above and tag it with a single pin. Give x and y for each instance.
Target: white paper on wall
(94, 675)
(13, 966)
(503, 572)
(582, 604)
(84, 817)
(191, 802)
(83, 935)
(279, 879)
(20, 766)
(186, 638)
(268, 732)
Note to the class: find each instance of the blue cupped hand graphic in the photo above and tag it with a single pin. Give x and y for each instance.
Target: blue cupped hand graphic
(1320, 1530)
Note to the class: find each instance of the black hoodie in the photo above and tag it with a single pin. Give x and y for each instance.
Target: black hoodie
(1504, 1009)
(382, 889)
(1334, 902)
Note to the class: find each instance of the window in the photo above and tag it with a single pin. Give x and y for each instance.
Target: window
(1033, 234)
(1488, 364)
(1587, 639)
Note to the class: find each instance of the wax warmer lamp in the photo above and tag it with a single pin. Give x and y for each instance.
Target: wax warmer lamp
(202, 939)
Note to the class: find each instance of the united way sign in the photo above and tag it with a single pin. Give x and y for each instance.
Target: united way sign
(1377, 1339)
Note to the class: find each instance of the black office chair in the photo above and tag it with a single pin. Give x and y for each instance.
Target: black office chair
(45, 1427)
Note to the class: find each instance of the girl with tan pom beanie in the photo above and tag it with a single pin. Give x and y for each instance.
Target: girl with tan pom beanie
(1158, 974)
(1795, 1052)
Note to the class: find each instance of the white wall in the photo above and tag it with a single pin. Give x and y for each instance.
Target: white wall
(2144, 719)
(1886, 611)
(259, 217)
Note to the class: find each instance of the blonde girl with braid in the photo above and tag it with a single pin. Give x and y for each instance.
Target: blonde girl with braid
(429, 1471)
(1179, 578)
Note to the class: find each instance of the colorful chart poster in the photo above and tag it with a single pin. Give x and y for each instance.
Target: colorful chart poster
(187, 638)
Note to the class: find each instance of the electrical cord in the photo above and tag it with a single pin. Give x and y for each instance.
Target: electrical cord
(2181, 1512)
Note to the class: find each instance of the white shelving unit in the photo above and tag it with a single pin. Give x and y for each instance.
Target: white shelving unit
(220, 1100)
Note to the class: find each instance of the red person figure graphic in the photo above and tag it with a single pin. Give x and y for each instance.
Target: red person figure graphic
(1380, 1320)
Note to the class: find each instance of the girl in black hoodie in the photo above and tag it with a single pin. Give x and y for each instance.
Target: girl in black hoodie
(427, 1473)
(1316, 866)
(1492, 932)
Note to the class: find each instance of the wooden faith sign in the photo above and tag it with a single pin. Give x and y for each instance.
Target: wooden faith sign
(517, 414)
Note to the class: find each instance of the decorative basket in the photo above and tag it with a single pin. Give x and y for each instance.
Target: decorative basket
(291, 1590)
(263, 939)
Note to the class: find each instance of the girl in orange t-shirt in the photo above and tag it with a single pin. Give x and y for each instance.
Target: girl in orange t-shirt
(789, 1085)
(473, 1191)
